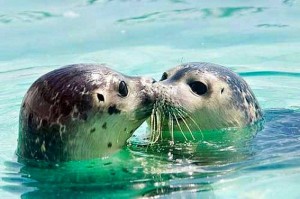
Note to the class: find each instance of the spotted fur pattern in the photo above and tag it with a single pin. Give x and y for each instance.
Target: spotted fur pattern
(75, 112)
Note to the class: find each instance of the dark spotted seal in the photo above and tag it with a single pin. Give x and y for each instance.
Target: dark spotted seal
(202, 96)
(81, 111)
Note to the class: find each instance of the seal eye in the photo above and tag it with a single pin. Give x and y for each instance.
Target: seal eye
(164, 76)
(100, 97)
(198, 87)
(123, 89)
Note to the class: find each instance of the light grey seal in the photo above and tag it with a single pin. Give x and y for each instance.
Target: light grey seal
(202, 96)
(81, 111)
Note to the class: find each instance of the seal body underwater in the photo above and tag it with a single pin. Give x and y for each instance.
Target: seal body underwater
(81, 111)
(201, 96)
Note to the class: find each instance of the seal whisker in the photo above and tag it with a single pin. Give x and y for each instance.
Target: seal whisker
(190, 117)
(171, 127)
(158, 125)
(179, 127)
(180, 115)
(153, 124)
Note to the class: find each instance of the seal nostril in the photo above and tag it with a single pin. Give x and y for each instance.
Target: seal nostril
(154, 81)
(100, 97)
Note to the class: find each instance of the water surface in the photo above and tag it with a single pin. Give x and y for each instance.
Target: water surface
(260, 40)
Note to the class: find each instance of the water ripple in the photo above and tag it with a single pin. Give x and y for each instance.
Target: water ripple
(193, 13)
(91, 2)
(32, 16)
(289, 2)
(26, 16)
(269, 73)
(272, 25)
(26, 68)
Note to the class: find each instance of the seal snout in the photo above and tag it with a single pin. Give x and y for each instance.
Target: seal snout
(147, 91)
(163, 93)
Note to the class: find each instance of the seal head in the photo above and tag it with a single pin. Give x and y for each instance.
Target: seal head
(203, 96)
(81, 111)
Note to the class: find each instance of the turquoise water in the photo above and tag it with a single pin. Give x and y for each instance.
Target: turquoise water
(258, 39)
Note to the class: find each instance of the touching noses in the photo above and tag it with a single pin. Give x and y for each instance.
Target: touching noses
(148, 80)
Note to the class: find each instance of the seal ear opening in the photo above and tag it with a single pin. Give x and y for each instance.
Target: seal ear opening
(222, 90)
(100, 97)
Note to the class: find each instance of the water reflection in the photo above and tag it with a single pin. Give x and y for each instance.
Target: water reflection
(124, 175)
(209, 152)
(185, 169)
